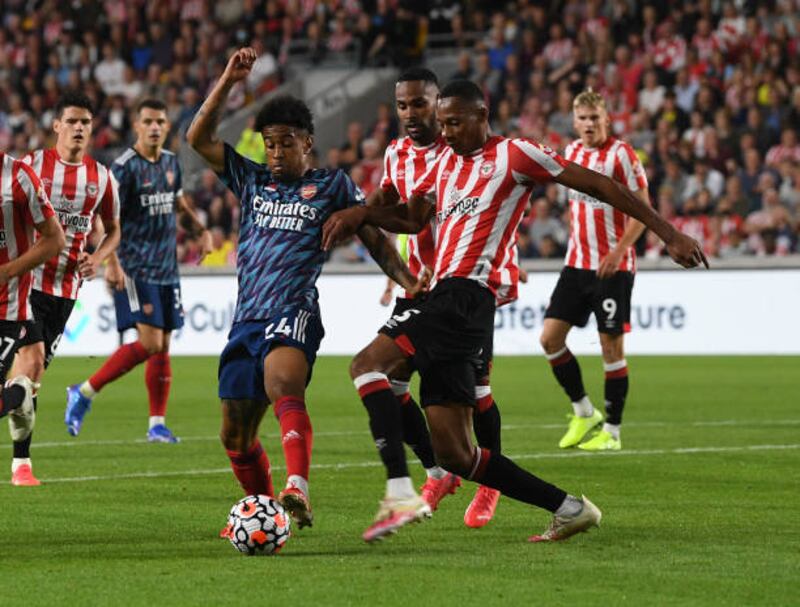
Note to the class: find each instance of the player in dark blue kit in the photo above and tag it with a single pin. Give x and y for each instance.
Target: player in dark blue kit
(144, 271)
(277, 327)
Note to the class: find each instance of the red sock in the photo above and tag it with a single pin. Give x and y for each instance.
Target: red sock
(252, 470)
(158, 377)
(118, 364)
(296, 435)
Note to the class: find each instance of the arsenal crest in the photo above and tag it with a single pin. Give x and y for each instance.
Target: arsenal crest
(487, 169)
(170, 177)
(91, 190)
(308, 191)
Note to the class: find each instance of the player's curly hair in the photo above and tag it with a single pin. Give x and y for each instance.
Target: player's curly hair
(73, 99)
(419, 74)
(287, 111)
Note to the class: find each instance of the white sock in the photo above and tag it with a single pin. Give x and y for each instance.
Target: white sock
(156, 420)
(400, 487)
(583, 407)
(87, 390)
(612, 429)
(295, 480)
(19, 461)
(436, 472)
(571, 506)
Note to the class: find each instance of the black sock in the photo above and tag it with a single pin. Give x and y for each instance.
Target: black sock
(385, 421)
(12, 398)
(615, 392)
(22, 449)
(568, 373)
(498, 472)
(415, 431)
(487, 427)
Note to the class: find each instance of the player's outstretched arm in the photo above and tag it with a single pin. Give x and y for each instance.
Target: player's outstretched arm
(387, 257)
(50, 242)
(202, 133)
(408, 218)
(684, 250)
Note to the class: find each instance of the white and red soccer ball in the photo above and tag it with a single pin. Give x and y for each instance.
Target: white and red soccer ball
(258, 525)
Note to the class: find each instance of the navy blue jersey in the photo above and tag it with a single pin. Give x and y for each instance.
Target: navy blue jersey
(280, 255)
(147, 192)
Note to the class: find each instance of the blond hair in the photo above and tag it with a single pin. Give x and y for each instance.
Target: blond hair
(589, 98)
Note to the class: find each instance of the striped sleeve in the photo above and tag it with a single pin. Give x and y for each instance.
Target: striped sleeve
(109, 203)
(427, 183)
(386, 180)
(532, 162)
(630, 171)
(29, 195)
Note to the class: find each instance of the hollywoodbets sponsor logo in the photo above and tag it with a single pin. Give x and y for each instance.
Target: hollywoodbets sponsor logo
(290, 216)
(75, 222)
(465, 206)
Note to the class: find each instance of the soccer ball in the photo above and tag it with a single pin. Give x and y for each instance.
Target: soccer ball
(258, 525)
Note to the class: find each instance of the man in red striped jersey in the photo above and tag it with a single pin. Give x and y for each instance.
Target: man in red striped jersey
(482, 186)
(80, 188)
(406, 160)
(597, 278)
(25, 209)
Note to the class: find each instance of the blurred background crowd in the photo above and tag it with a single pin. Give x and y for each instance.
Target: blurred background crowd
(707, 92)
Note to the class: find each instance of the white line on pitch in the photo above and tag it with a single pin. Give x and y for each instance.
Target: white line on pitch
(722, 422)
(373, 464)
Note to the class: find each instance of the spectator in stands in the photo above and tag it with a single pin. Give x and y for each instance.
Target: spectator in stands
(787, 149)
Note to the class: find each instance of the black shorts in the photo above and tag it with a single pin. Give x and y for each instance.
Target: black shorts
(445, 336)
(50, 314)
(580, 293)
(401, 304)
(12, 334)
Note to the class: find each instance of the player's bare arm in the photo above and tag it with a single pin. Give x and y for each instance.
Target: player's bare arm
(50, 242)
(187, 209)
(684, 250)
(114, 275)
(202, 132)
(633, 230)
(386, 256)
(408, 218)
(88, 263)
(383, 198)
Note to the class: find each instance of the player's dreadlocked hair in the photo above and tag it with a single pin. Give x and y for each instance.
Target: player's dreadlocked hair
(151, 104)
(73, 99)
(285, 110)
(465, 90)
(419, 74)
(589, 98)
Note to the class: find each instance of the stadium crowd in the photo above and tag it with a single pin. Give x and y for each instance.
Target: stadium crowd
(707, 92)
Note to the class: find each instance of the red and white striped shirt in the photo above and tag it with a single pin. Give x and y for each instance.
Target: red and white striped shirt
(480, 200)
(24, 204)
(404, 164)
(76, 191)
(597, 227)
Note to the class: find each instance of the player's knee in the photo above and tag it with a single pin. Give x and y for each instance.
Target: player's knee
(550, 343)
(361, 363)
(454, 459)
(150, 346)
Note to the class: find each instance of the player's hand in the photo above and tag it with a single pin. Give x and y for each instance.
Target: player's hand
(341, 225)
(423, 282)
(523, 276)
(610, 264)
(239, 65)
(206, 246)
(115, 277)
(4, 277)
(686, 251)
(87, 266)
(386, 296)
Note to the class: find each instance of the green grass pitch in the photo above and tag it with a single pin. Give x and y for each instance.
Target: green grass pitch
(700, 507)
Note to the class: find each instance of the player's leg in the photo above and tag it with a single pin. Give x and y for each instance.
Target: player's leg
(241, 420)
(612, 309)
(486, 422)
(29, 362)
(135, 306)
(370, 371)
(569, 306)
(158, 379)
(439, 482)
(286, 372)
